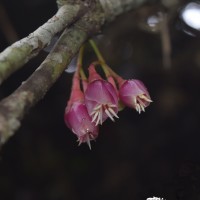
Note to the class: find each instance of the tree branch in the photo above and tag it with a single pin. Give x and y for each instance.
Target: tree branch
(16, 55)
(113, 8)
(14, 107)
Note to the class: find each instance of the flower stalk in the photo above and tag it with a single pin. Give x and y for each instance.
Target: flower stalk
(80, 66)
(100, 57)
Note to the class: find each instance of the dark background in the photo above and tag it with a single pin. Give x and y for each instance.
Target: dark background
(156, 153)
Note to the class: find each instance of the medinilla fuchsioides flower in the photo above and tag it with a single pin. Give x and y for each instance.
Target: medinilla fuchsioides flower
(76, 115)
(134, 94)
(101, 98)
(78, 120)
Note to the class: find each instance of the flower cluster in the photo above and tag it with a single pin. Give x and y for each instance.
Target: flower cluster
(98, 99)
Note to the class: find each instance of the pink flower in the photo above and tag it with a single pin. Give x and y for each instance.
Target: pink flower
(101, 101)
(134, 94)
(101, 98)
(76, 115)
(78, 120)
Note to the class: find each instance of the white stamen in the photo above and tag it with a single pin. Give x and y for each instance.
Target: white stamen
(145, 98)
(79, 142)
(138, 108)
(113, 112)
(92, 136)
(140, 101)
(93, 112)
(97, 113)
(98, 118)
(101, 115)
(88, 141)
(142, 107)
(135, 101)
(109, 115)
(97, 107)
(95, 116)
(112, 106)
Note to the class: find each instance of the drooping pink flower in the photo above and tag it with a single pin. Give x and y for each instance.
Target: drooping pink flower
(134, 94)
(76, 116)
(101, 98)
(78, 120)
